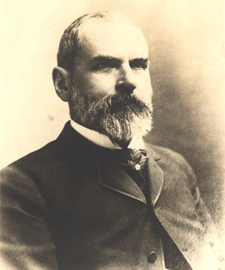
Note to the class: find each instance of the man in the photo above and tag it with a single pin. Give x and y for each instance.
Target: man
(88, 200)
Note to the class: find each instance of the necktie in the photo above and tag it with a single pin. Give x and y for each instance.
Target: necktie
(133, 162)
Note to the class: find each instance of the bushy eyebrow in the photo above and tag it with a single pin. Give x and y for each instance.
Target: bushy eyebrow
(100, 58)
(109, 58)
(144, 60)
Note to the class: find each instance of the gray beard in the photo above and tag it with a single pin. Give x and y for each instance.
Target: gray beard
(120, 116)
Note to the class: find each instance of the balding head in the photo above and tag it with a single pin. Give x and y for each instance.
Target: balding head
(71, 41)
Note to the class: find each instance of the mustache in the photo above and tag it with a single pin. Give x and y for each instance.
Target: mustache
(113, 104)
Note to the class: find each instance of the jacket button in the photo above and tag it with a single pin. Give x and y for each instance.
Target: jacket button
(152, 257)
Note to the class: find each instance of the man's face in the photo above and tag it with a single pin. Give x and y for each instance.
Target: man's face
(112, 54)
(113, 63)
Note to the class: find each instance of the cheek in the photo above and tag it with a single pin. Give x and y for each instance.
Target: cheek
(98, 86)
(145, 89)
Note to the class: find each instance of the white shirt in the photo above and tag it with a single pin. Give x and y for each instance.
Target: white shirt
(103, 140)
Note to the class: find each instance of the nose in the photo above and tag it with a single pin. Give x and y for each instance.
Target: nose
(126, 80)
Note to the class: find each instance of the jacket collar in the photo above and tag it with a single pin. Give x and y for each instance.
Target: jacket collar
(80, 151)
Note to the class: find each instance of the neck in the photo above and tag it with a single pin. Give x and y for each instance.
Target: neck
(123, 143)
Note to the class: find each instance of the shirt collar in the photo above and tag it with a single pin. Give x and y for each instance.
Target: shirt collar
(103, 140)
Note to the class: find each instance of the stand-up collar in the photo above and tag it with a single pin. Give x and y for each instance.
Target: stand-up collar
(103, 140)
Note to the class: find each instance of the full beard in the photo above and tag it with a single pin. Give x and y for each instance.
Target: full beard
(120, 116)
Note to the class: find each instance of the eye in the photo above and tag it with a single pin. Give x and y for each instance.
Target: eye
(105, 65)
(139, 64)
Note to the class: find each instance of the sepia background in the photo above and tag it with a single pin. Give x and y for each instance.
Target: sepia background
(186, 45)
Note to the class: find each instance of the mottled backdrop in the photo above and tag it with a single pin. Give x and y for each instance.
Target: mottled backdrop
(186, 41)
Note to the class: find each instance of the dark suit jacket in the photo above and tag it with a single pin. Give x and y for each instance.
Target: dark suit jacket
(67, 206)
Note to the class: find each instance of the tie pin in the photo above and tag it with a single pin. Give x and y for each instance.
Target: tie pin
(137, 167)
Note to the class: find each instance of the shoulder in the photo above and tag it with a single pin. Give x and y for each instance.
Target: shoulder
(37, 160)
(165, 153)
(43, 155)
(26, 174)
(166, 156)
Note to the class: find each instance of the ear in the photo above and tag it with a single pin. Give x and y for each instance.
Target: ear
(61, 80)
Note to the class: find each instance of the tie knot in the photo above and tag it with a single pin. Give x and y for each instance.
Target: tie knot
(133, 162)
(134, 159)
(136, 154)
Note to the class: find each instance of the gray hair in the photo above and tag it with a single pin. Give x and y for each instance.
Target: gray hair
(70, 44)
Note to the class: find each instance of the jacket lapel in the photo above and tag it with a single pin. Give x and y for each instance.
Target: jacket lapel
(113, 177)
(155, 175)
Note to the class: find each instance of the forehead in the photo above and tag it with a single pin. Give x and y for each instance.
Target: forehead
(115, 38)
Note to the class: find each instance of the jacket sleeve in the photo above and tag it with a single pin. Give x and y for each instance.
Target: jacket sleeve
(26, 242)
